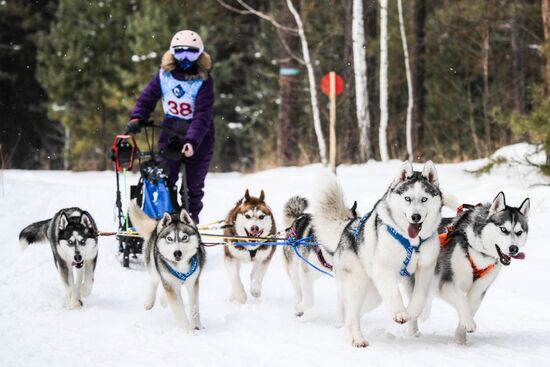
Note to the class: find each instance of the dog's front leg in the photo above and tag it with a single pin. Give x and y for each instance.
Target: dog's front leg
(233, 266)
(87, 284)
(422, 281)
(152, 292)
(386, 282)
(257, 276)
(451, 293)
(354, 290)
(75, 299)
(173, 295)
(412, 325)
(306, 281)
(193, 292)
(292, 269)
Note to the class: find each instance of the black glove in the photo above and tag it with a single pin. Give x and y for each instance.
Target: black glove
(133, 127)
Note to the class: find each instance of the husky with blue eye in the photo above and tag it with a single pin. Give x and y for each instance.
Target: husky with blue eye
(72, 234)
(173, 257)
(474, 248)
(373, 254)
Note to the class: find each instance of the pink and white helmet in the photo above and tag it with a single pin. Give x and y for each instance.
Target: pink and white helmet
(187, 39)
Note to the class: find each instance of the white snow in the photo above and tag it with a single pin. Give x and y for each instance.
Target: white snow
(113, 329)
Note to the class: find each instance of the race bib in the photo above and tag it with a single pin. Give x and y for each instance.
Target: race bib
(178, 96)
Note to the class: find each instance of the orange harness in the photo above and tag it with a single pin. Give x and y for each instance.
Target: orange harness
(445, 239)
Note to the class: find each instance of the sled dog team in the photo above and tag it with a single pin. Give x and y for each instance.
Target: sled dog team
(403, 240)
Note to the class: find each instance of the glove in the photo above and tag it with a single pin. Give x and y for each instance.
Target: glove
(133, 127)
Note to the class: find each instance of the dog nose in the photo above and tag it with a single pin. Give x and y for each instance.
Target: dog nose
(177, 254)
(78, 258)
(513, 250)
(255, 228)
(416, 218)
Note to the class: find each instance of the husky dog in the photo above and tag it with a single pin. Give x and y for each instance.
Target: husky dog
(251, 217)
(374, 253)
(299, 225)
(479, 242)
(173, 256)
(72, 234)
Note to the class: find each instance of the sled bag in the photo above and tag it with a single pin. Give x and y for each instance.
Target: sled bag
(156, 199)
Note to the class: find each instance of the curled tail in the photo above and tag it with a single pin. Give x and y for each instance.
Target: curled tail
(330, 213)
(36, 232)
(294, 207)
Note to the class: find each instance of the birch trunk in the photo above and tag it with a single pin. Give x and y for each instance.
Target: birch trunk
(312, 83)
(361, 88)
(382, 133)
(410, 104)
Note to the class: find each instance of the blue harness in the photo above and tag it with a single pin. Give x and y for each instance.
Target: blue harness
(183, 276)
(409, 249)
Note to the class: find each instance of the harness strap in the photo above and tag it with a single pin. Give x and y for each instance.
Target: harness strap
(362, 222)
(321, 258)
(479, 273)
(295, 243)
(409, 249)
(183, 276)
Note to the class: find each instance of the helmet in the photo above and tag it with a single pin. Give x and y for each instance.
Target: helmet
(186, 45)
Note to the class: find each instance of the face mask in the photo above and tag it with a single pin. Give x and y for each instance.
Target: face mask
(185, 64)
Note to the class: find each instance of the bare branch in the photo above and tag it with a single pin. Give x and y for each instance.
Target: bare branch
(269, 18)
(233, 9)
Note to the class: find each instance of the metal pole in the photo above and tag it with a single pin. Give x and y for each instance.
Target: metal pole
(332, 95)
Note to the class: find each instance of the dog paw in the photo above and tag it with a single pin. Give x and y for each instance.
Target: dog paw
(360, 343)
(256, 292)
(460, 338)
(239, 297)
(75, 304)
(469, 326)
(299, 313)
(148, 304)
(401, 317)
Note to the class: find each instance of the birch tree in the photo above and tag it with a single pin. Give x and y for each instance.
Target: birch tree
(410, 103)
(382, 132)
(361, 87)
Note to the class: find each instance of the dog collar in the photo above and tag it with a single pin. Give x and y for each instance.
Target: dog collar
(183, 276)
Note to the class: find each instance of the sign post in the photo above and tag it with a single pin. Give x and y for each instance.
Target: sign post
(332, 85)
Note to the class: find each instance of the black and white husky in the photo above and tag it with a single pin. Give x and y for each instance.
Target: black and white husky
(302, 275)
(478, 244)
(72, 234)
(173, 257)
(373, 254)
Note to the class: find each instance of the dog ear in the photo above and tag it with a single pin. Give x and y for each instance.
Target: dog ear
(262, 196)
(405, 172)
(246, 196)
(525, 207)
(86, 220)
(430, 173)
(498, 204)
(165, 220)
(63, 221)
(185, 218)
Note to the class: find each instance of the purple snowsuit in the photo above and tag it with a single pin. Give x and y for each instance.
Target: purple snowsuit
(198, 131)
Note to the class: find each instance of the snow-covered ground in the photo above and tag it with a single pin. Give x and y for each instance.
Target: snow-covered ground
(113, 329)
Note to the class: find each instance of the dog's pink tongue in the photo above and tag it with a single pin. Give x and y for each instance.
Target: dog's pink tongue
(414, 229)
(519, 256)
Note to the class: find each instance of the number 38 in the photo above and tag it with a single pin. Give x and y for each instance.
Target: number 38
(183, 109)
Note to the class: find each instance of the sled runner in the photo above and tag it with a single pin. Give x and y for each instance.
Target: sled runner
(152, 192)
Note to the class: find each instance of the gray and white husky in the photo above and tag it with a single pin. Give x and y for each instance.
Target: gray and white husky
(72, 234)
(250, 217)
(373, 254)
(299, 225)
(173, 257)
(480, 241)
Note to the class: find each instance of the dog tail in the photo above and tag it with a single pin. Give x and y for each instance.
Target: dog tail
(294, 207)
(450, 201)
(33, 233)
(330, 213)
(144, 224)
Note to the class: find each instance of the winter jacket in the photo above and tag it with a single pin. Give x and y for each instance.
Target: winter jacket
(199, 130)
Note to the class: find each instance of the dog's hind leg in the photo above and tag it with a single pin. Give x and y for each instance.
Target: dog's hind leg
(340, 303)
(87, 284)
(173, 295)
(233, 267)
(152, 293)
(292, 270)
(306, 281)
(354, 295)
(193, 293)
(257, 276)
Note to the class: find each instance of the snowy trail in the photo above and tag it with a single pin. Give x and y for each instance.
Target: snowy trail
(113, 329)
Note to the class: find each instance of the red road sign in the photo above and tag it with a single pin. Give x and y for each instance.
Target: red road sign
(325, 84)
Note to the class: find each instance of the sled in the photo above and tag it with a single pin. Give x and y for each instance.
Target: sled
(151, 191)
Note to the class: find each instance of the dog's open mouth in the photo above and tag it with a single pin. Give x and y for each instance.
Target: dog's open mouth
(253, 233)
(507, 259)
(414, 229)
(78, 264)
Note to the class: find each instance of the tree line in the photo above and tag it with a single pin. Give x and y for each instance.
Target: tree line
(446, 80)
